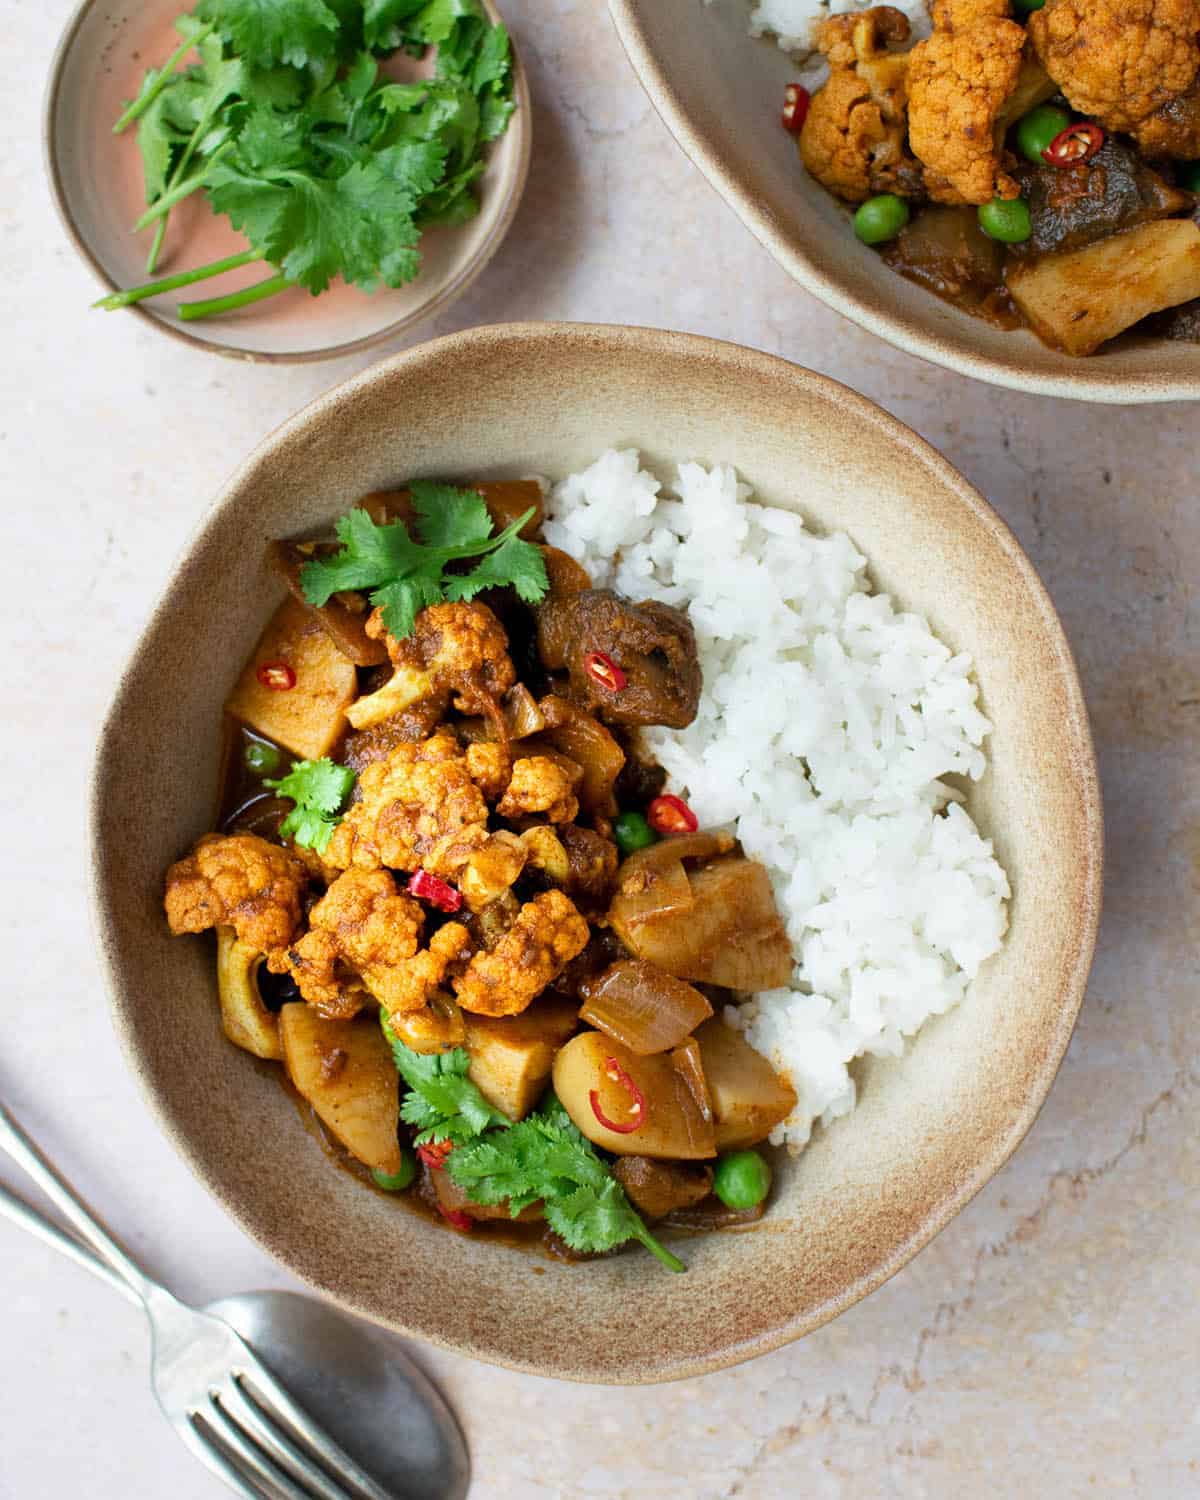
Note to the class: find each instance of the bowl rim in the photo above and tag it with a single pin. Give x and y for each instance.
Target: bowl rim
(1084, 910)
(1089, 383)
(522, 117)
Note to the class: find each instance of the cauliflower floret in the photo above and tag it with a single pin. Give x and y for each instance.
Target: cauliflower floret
(1133, 65)
(425, 973)
(853, 138)
(958, 83)
(950, 15)
(419, 797)
(237, 880)
(490, 763)
(457, 650)
(545, 937)
(362, 933)
(542, 784)
(492, 869)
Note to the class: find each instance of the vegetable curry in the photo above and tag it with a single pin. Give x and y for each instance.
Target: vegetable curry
(452, 898)
(1035, 162)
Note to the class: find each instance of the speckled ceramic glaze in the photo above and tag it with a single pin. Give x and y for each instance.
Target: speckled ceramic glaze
(930, 1129)
(720, 93)
(96, 180)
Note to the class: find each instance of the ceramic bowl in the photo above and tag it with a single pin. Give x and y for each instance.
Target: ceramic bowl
(930, 1129)
(720, 91)
(96, 181)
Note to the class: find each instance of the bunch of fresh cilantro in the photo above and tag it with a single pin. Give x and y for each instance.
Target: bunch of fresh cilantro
(541, 1159)
(403, 574)
(288, 126)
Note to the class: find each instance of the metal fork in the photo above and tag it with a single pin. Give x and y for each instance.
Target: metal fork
(222, 1401)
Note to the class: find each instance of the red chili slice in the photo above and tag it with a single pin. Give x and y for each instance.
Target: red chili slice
(637, 1100)
(277, 676)
(668, 814)
(603, 670)
(796, 100)
(457, 1219)
(427, 887)
(434, 1154)
(1076, 144)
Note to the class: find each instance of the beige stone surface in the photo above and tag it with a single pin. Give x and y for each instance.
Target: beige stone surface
(1046, 1344)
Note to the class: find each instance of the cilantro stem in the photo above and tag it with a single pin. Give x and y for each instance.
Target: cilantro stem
(213, 307)
(660, 1252)
(139, 106)
(165, 202)
(173, 283)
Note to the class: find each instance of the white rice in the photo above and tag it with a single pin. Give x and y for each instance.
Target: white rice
(793, 23)
(827, 721)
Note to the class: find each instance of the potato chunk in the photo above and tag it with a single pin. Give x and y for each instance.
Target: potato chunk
(1078, 299)
(748, 1097)
(247, 1021)
(345, 1071)
(512, 1056)
(307, 718)
(672, 1124)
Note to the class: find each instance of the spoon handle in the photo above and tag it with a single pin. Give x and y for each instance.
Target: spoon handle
(17, 1144)
(25, 1216)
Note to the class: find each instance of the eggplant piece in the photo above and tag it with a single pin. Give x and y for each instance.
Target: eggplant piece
(1071, 207)
(657, 1188)
(651, 643)
(586, 741)
(1181, 324)
(1079, 299)
(344, 1069)
(749, 1098)
(309, 717)
(512, 1056)
(713, 920)
(944, 250)
(648, 1102)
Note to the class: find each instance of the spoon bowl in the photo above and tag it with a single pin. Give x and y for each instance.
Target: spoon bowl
(356, 1381)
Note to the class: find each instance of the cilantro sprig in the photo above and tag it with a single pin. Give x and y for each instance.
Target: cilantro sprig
(442, 1102)
(319, 789)
(542, 1159)
(403, 574)
(329, 168)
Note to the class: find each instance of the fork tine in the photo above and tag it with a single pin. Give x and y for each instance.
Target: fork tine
(263, 1465)
(215, 1461)
(273, 1401)
(270, 1437)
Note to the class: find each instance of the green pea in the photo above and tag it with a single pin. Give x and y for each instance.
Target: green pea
(631, 832)
(1027, 7)
(260, 757)
(1006, 220)
(1038, 128)
(1189, 177)
(396, 1182)
(742, 1179)
(880, 219)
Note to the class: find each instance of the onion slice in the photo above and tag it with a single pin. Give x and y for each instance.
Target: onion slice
(643, 1007)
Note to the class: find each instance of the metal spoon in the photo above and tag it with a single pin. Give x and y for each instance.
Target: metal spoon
(350, 1377)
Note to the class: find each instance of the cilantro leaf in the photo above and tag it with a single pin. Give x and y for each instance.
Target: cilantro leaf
(449, 517)
(442, 1102)
(516, 564)
(545, 1158)
(267, 32)
(404, 576)
(318, 788)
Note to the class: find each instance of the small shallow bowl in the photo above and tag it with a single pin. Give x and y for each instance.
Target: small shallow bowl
(720, 92)
(96, 181)
(930, 1129)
